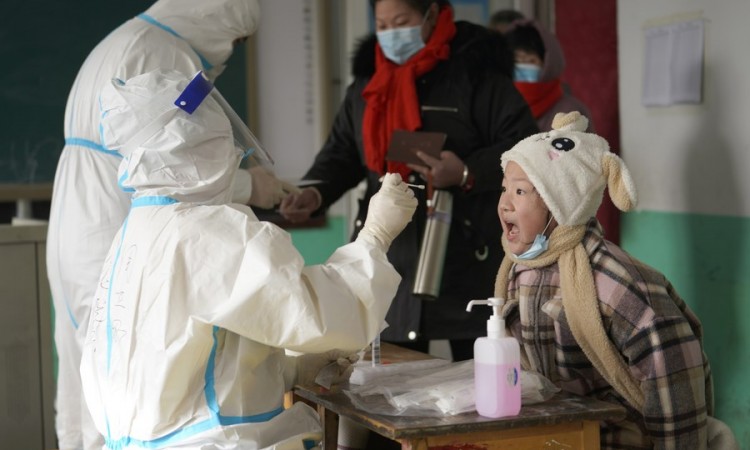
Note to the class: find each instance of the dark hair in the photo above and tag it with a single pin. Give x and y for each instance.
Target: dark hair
(505, 16)
(525, 38)
(418, 5)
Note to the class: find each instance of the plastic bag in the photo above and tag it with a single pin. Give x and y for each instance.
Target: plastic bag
(438, 391)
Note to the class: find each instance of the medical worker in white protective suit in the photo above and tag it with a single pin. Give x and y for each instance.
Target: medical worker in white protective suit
(87, 206)
(198, 299)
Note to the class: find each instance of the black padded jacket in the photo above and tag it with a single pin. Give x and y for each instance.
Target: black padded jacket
(470, 97)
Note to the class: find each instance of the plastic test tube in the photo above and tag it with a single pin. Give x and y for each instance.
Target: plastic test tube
(376, 351)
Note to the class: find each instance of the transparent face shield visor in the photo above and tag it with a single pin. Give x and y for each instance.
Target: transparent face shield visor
(196, 92)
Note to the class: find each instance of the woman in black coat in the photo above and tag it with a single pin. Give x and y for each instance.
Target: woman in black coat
(424, 72)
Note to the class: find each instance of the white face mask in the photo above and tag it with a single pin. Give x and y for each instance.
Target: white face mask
(400, 44)
(539, 245)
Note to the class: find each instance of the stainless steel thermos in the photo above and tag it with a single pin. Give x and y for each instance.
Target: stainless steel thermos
(434, 244)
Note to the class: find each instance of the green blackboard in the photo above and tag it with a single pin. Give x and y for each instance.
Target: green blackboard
(42, 45)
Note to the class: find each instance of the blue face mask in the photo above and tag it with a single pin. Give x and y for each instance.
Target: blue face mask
(528, 73)
(537, 248)
(539, 245)
(400, 44)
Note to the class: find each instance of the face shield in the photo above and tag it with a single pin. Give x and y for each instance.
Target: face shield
(196, 92)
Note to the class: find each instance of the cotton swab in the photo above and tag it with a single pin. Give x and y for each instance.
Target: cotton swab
(415, 186)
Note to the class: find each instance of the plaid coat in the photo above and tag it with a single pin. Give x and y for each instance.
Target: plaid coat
(658, 336)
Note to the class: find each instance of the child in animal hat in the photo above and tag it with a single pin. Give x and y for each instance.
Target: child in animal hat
(588, 316)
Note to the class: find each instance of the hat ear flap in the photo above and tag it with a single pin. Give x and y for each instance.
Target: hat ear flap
(572, 121)
(620, 184)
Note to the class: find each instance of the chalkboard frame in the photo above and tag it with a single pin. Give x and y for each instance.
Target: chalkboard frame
(42, 45)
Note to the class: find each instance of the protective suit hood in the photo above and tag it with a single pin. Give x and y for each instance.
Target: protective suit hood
(190, 157)
(209, 27)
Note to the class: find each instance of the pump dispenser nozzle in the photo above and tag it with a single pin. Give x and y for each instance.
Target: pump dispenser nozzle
(495, 302)
(495, 324)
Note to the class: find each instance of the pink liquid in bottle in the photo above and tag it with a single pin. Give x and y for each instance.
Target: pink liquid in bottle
(497, 367)
(498, 389)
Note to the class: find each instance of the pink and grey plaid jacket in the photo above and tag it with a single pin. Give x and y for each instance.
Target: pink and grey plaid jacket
(657, 334)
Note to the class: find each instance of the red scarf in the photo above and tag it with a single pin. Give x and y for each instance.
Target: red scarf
(391, 95)
(540, 96)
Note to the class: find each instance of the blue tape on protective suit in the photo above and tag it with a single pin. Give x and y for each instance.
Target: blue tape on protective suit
(194, 93)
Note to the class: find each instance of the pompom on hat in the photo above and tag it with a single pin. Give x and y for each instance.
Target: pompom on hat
(570, 169)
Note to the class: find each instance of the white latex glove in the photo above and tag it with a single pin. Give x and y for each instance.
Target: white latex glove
(391, 208)
(329, 368)
(299, 207)
(267, 189)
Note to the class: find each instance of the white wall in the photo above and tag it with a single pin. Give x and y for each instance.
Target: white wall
(690, 158)
(287, 77)
(295, 79)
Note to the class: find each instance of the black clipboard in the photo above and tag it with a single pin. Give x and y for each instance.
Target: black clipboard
(404, 145)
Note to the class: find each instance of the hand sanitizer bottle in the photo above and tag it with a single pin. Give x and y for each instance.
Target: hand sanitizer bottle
(497, 367)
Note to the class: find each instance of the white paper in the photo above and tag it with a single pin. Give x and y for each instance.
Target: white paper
(673, 64)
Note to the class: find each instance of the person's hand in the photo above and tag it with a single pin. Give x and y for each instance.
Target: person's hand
(328, 368)
(299, 206)
(391, 208)
(446, 172)
(268, 190)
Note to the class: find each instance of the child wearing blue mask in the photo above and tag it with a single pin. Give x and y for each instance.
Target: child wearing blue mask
(539, 64)
(588, 316)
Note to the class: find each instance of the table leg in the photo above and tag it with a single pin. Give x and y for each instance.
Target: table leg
(591, 435)
(330, 422)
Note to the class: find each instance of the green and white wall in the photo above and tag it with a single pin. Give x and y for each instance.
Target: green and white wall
(690, 165)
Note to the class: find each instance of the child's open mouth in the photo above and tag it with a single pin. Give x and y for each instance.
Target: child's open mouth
(512, 231)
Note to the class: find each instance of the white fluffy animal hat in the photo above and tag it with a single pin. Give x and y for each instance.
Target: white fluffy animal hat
(570, 169)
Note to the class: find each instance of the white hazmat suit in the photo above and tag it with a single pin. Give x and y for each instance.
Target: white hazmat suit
(198, 299)
(87, 206)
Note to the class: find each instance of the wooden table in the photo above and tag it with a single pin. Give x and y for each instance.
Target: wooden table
(565, 422)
